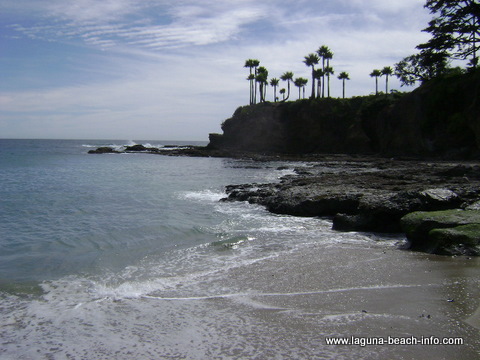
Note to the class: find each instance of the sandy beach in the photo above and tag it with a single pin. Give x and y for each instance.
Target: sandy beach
(359, 291)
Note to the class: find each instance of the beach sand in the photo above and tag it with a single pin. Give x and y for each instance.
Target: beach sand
(289, 305)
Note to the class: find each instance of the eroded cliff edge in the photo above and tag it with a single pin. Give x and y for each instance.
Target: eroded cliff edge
(439, 119)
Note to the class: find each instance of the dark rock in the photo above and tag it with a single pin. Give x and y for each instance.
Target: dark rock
(444, 232)
(103, 150)
(439, 199)
(139, 147)
(362, 195)
(464, 240)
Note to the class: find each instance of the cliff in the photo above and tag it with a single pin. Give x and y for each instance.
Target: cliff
(439, 119)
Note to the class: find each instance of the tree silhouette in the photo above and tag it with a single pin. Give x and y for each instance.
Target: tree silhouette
(328, 56)
(250, 78)
(252, 64)
(312, 60)
(319, 74)
(344, 76)
(387, 71)
(304, 84)
(287, 76)
(282, 92)
(300, 83)
(376, 74)
(457, 28)
(324, 52)
(274, 82)
(421, 67)
(262, 80)
(328, 71)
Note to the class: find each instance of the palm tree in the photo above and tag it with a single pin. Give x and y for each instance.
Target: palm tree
(252, 64)
(251, 78)
(344, 76)
(319, 74)
(282, 92)
(257, 64)
(324, 52)
(312, 60)
(262, 80)
(376, 74)
(328, 71)
(387, 71)
(304, 83)
(328, 56)
(300, 83)
(274, 83)
(287, 76)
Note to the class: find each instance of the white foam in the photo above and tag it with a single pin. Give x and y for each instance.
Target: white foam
(203, 195)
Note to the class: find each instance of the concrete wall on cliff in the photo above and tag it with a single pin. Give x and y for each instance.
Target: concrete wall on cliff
(441, 118)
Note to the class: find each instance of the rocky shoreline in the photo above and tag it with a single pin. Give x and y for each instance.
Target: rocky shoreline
(375, 195)
(365, 193)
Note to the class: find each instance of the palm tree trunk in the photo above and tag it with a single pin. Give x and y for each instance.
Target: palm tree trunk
(255, 96)
(323, 77)
(251, 91)
(328, 76)
(252, 84)
(328, 87)
(313, 83)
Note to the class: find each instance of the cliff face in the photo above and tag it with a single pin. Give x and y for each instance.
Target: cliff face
(441, 118)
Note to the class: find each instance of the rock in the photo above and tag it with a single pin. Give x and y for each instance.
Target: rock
(139, 147)
(103, 150)
(378, 211)
(360, 222)
(464, 240)
(440, 198)
(306, 201)
(168, 150)
(362, 195)
(474, 206)
(443, 232)
(462, 170)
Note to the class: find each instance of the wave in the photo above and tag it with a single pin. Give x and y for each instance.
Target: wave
(203, 195)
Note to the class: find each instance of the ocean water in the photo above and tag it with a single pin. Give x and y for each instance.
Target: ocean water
(133, 256)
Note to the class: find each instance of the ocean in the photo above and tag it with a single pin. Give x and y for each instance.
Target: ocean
(134, 256)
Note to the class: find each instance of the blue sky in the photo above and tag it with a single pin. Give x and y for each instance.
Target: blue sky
(173, 69)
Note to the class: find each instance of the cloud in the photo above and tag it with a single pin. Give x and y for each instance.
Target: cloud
(174, 68)
(92, 11)
(153, 25)
(159, 96)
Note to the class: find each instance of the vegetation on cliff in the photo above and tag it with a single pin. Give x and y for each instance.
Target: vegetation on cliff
(440, 118)
(455, 31)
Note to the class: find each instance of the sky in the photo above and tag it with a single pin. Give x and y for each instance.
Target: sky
(174, 69)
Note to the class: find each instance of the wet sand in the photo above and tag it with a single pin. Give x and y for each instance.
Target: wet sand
(292, 303)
